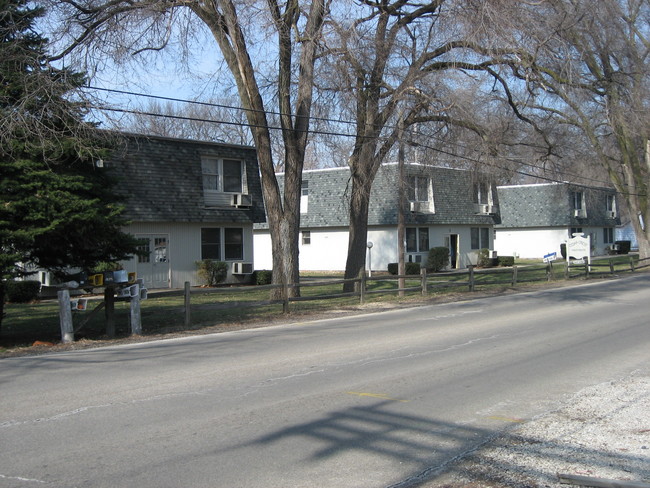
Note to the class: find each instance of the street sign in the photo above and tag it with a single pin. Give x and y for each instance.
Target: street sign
(552, 256)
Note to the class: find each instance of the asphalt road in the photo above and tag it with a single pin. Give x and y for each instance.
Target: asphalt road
(378, 400)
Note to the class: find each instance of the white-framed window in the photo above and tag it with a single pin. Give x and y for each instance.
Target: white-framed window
(211, 243)
(419, 189)
(306, 237)
(233, 243)
(417, 239)
(482, 194)
(578, 200)
(578, 204)
(480, 237)
(222, 243)
(608, 235)
(611, 203)
(611, 206)
(223, 175)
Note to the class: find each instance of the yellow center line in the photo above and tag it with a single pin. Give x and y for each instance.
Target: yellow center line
(375, 395)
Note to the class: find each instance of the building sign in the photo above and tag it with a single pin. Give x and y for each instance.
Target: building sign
(578, 247)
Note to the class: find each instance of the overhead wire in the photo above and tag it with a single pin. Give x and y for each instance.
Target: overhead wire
(328, 133)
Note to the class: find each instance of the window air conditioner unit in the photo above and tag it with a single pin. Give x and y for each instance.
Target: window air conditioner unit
(483, 209)
(242, 268)
(240, 200)
(579, 212)
(414, 206)
(492, 254)
(611, 214)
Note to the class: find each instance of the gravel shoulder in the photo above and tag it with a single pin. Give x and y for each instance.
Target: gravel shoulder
(602, 432)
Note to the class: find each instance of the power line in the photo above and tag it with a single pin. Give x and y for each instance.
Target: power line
(210, 104)
(327, 133)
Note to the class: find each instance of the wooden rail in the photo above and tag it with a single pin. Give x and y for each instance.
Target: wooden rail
(470, 279)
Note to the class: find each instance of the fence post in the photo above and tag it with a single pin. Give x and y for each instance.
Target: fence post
(109, 310)
(362, 286)
(514, 276)
(65, 316)
(285, 298)
(423, 273)
(188, 319)
(632, 264)
(549, 271)
(611, 266)
(566, 270)
(136, 318)
(471, 277)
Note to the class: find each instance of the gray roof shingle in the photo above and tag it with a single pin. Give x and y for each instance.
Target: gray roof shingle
(161, 180)
(329, 198)
(550, 205)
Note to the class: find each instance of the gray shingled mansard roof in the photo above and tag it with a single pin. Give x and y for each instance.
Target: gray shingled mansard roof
(161, 180)
(550, 205)
(329, 192)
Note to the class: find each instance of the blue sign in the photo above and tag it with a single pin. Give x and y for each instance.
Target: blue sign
(552, 256)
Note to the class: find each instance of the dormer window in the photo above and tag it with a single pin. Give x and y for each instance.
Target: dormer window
(483, 200)
(418, 189)
(420, 194)
(482, 194)
(578, 203)
(611, 206)
(224, 183)
(223, 175)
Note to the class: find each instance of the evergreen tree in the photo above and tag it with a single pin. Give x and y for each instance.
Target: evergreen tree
(56, 208)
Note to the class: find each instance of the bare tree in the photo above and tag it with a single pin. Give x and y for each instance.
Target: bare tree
(123, 29)
(587, 64)
(397, 65)
(207, 121)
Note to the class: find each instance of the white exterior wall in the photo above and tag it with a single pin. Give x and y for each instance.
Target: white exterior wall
(535, 243)
(184, 248)
(530, 243)
(329, 247)
(327, 251)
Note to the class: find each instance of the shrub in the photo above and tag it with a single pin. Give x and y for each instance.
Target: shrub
(393, 268)
(212, 272)
(105, 266)
(506, 260)
(437, 259)
(484, 259)
(412, 268)
(262, 277)
(22, 291)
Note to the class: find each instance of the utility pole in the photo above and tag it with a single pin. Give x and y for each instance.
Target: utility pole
(401, 229)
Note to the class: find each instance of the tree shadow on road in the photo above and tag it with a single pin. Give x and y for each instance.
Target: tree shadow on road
(433, 447)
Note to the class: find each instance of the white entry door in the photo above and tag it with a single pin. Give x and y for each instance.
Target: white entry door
(153, 264)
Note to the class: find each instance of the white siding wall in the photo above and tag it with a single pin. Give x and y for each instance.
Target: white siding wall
(185, 248)
(529, 244)
(328, 248)
(535, 243)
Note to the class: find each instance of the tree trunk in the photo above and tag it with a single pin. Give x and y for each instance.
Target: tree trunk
(359, 206)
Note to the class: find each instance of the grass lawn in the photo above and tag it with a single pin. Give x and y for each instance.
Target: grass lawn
(230, 307)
